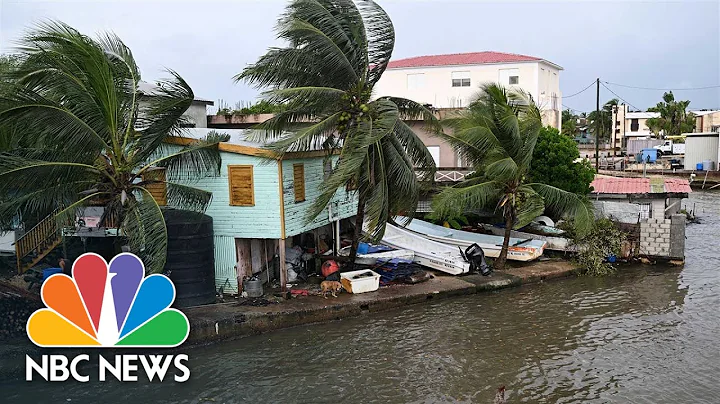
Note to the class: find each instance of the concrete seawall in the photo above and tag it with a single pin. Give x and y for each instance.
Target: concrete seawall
(214, 323)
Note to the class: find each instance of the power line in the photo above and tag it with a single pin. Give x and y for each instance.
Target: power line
(621, 98)
(661, 89)
(572, 109)
(579, 92)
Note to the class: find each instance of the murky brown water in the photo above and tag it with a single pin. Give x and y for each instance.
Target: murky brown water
(650, 336)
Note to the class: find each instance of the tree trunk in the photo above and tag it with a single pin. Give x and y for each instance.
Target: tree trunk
(509, 223)
(359, 219)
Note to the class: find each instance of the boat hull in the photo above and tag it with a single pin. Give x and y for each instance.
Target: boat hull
(429, 253)
(374, 258)
(520, 249)
(553, 243)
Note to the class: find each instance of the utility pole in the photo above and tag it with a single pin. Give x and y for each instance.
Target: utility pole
(597, 127)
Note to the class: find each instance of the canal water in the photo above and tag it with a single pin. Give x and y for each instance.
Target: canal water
(650, 335)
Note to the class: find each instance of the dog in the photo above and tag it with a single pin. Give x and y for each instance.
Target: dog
(330, 286)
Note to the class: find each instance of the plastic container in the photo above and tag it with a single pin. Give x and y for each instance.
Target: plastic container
(48, 272)
(360, 281)
(363, 248)
(699, 166)
(708, 165)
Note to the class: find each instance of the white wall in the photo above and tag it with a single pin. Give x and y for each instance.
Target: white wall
(436, 85)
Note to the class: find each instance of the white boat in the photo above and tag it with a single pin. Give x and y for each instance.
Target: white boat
(553, 243)
(429, 253)
(378, 257)
(520, 249)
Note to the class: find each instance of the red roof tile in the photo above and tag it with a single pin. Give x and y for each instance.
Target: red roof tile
(474, 58)
(614, 185)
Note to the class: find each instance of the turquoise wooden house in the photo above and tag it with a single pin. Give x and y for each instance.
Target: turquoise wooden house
(260, 204)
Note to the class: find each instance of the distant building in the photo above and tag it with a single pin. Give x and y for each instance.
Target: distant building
(196, 114)
(627, 124)
(451, 81)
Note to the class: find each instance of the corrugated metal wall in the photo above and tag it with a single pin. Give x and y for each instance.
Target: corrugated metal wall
(225, 261)
(699, 148)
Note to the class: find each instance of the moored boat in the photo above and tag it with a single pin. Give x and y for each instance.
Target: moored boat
(378, 257)
(430, 253)
(553, 243)
(526, 249)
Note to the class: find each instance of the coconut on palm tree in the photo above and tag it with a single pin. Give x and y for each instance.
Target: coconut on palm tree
(498, 132)
(90, 137)
(336, 52)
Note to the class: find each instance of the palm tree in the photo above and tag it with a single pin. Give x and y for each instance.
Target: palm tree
(91, 138)
(337, 50)
(498, 132)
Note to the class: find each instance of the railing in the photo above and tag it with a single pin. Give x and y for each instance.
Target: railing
(450, 174)
(38, 240)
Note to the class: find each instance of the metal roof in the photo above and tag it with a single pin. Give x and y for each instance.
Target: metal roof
(635, 186)
(455, 59)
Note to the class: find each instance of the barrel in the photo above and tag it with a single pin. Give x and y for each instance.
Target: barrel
(253, 288)
(190, 257)
(707, 165)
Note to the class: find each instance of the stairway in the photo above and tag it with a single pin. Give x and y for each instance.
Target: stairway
(37, 243)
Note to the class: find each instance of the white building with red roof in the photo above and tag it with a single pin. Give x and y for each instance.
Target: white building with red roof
(451, 81)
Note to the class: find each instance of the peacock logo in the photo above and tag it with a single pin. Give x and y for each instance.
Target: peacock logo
(105, 305)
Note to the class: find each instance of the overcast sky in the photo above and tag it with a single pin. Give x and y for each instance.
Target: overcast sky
(643, 44)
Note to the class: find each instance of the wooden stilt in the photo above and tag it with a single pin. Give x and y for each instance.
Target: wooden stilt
(283, 268)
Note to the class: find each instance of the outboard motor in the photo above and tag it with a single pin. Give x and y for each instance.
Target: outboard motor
(476, 257)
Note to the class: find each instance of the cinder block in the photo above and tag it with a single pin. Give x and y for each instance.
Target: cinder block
(665, 226)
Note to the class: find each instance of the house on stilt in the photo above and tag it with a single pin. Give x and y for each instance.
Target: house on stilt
(260, 208)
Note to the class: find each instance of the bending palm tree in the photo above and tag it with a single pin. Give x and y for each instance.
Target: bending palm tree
(89, 140)
(498, 131)
(337, 52)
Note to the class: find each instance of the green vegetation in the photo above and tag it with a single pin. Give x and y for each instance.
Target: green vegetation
(605, 116)
(249, 108)
(674, 118)
(553, 163)
(75, 106)
(569, 123)
(499, 131)
(337, 51)
(603, 241)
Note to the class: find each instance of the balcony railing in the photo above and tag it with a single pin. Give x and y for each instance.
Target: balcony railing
(451, 174)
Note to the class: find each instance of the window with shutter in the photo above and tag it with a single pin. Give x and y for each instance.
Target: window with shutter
(299, 182)
(242, 192)
(158, 190)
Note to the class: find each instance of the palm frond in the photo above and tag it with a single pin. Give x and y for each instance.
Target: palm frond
(453, 202)
(198, 159)
(380, 38)
(310, 137)
(531, 206)
(414, 148)
(144, 228)
(162, 116)
(186, 197)
(567, 204)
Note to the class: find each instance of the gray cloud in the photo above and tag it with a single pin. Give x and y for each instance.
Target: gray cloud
(645, 44)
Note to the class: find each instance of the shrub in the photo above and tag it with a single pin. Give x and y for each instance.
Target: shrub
(604, 240)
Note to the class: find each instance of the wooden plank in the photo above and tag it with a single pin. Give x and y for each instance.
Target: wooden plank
(244, 259)
(283, 268)
(257, 251)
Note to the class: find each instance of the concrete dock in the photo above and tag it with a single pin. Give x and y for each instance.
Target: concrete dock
(226, 321)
